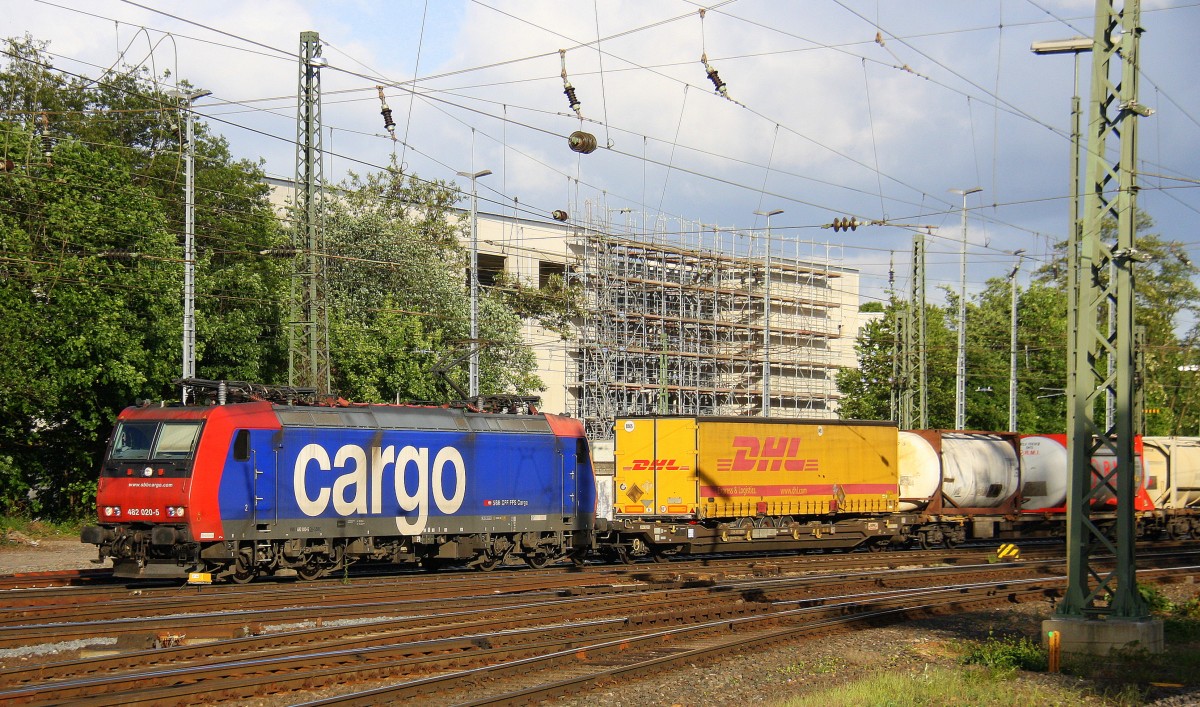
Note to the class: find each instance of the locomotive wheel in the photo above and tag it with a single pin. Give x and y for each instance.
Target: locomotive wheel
(537, 562)
(243, 569)
(311, 570)
(242, 576)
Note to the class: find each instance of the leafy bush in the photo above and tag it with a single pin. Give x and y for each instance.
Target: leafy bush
(1007, 654)
(1155, 599)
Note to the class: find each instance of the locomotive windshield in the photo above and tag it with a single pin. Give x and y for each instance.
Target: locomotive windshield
(142, 440)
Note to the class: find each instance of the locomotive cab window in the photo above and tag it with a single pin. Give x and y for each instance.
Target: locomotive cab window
(142, 440)
(241, 446)
(176, 440)
(132, 440)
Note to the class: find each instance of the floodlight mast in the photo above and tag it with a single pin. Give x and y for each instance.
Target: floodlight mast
(766, 401)
(960, 376)
(473, 375)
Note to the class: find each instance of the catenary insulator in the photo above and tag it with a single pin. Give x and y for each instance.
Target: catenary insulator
(717, 82)
(560, 215)
(572, 101)
(47, 141)
(568, 89)
(580, 141)
(386, 112)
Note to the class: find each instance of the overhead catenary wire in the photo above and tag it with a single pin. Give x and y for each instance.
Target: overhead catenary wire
(204, 25)
(677, 145)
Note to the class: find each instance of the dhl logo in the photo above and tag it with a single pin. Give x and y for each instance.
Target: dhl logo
(655, 465)
(766, 454)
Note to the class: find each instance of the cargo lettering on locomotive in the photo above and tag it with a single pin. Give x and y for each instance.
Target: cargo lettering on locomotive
(766, 454)
(365, 483)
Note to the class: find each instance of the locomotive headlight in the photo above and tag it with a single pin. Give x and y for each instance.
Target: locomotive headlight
(108, 511)
(112, 511)
(175, 511)
(147, 472)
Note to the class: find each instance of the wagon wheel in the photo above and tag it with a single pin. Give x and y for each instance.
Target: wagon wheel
(311, 570)
(949, 541)
(537, 561)
(621, 556)
(660, 556)
(923, 541)
(874, 547)
(488, 564)
(579, 557)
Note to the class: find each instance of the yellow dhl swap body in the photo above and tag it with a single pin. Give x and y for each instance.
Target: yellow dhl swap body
(754, 468)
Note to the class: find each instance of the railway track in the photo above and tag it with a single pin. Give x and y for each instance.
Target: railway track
(519, 641)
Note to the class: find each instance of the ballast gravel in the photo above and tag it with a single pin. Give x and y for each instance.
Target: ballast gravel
(764, 675)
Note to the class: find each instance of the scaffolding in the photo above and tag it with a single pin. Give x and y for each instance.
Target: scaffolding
(674, 323)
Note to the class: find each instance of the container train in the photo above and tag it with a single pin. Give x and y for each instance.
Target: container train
(258, 488)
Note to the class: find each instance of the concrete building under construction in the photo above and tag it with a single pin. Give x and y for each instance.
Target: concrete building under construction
(675, 319)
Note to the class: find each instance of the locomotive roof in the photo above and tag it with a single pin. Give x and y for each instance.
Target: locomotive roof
(355, 416)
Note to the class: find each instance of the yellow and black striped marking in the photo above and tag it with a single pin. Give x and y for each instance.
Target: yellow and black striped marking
(1008, 551)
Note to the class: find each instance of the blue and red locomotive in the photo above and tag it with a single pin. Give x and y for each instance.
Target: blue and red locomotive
(259, 488)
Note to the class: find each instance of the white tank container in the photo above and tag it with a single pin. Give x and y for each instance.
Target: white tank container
(974, 470)
(1044, 472)
(979, 470)
(920, 471)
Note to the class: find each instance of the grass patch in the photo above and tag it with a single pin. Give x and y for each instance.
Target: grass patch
(38, 529)
(942, 686)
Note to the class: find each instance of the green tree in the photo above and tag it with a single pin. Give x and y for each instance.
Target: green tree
(91, 268)
(1166, 294)
(399, 308)
(75, 344)
(867, 389)
(1041, 357)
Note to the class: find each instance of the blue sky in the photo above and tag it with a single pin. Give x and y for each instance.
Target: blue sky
(825, 121)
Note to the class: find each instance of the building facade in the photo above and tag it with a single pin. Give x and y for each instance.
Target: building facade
(675, 318)
(675, 315)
